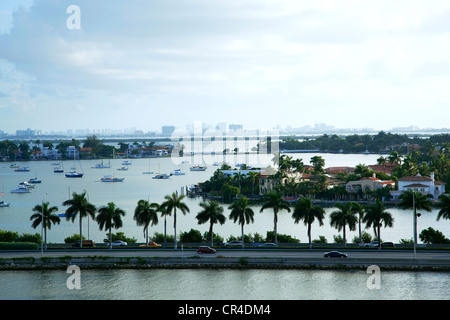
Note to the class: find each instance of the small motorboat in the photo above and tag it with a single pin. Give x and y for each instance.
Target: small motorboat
(21, 189)
(4, 204)
(74, 174)
(198, 168)
(111, 179)
(177, 172)
(162, 176)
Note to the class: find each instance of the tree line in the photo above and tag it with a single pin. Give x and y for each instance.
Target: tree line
(347, 215)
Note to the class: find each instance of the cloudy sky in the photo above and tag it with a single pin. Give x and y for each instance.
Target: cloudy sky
(262, 63)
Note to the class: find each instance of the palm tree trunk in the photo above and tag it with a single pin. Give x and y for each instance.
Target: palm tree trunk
(146, 236)
(165, 232)
(110, 239)
(275, 228)
(175, 228)
(81, 237)
(309, 235)
(345, 242)
(379, 236)
(211, 233)
(242, 234)
(360, 234)
(45, 237)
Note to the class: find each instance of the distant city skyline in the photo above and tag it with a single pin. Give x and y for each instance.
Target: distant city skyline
(219, 128)
(266, 63)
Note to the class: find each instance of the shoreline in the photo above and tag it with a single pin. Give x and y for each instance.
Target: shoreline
(208, 263)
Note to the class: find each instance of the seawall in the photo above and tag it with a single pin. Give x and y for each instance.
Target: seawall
(218, 262)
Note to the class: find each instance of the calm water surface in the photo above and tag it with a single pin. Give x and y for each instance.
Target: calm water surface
(224, 284)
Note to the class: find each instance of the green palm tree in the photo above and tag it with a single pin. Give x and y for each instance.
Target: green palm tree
(253, 177)
(375, 216)
(444, 205)
(109, 217)
(305, 211)
(274, 200)
(79, 205)
(146, 213)
(343, 216)
(172, 203)
(241, 213)
(44, 213)
(212, 212)
(417, 201)
(395, 157)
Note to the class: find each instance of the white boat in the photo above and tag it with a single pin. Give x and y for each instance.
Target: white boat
(21, 189)
(111, 179)
(13, 166)
(58, 170)
(22, 169)
(123, 169)
(177, 172)
(198, 168)
(126, 162)
(162, 176)
(26, 185)
(101, 165)
(74, 174)
(4, 204)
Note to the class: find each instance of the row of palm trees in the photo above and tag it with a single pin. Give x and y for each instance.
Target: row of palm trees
(346, 215)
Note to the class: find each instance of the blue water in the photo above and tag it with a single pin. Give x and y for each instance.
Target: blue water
(224, 284)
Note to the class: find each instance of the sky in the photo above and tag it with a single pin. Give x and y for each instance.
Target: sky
(260, 63)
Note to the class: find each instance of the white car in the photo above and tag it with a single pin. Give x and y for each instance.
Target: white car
(268, 244)
(119, 243)
(234, 244)
(373, 244)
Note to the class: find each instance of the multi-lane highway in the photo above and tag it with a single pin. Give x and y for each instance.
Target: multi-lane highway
(229, 253)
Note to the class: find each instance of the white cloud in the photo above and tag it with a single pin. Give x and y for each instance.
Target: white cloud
(177, 62)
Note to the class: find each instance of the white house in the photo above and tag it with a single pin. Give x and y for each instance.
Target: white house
(425, 185)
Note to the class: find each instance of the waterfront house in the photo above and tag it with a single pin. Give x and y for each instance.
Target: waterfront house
(335, 170)
(425, 185)
(51, 154)
(36, 155)
(72, 153)
(367, 184)
(384, 168)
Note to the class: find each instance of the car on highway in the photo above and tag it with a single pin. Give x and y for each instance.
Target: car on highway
(335, 254)
(205, 249)
(151, 244)
(387, 245)
(86, 243)
(234, 244)
(373, 244)
(268, 244)
(119, 243)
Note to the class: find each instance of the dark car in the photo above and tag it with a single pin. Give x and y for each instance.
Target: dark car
(205, 249)
(387, 244)
(335, 254)
(86, 243)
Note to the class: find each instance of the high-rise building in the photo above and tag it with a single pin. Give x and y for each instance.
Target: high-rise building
(167, 130)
